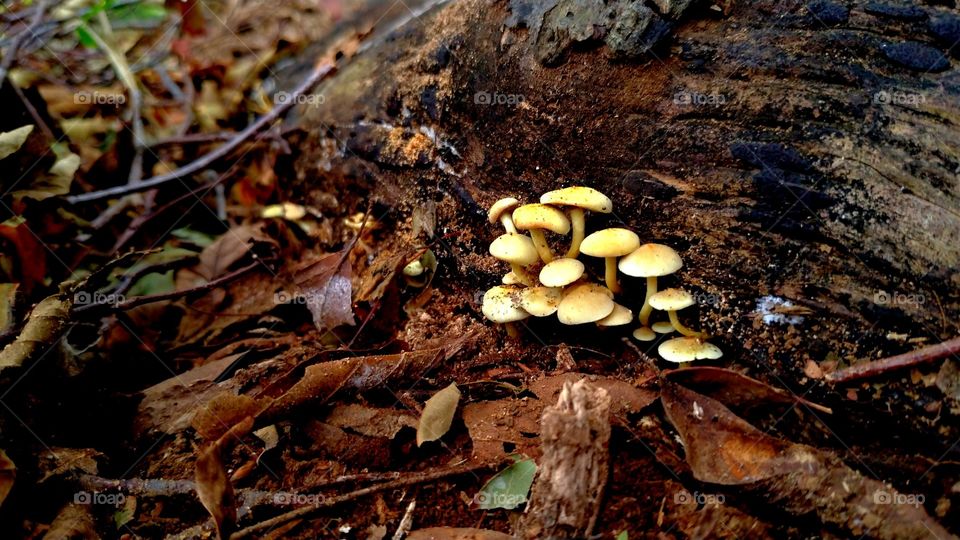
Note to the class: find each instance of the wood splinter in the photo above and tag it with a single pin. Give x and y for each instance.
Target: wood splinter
(575, 434)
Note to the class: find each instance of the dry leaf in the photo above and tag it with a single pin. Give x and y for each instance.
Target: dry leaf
(455, 533)
(45, 325)
(722, 448)
(8, 473)
(734, 389)
(213, 484)
(11, 141)
(370, 421)
(325, 286)
(437, 415)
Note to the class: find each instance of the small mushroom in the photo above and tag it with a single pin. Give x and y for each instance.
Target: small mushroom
(541, 301)
(500, 211)
(578, 199)
(537, 218)
(650, 261)
(610, 244)
(585, 303)
(561, 272)
(518, 250)
(511, 279)
(644, 334)
(671, 301)
(687, 349)
(502, 305)
(662, 327)
(620, 316)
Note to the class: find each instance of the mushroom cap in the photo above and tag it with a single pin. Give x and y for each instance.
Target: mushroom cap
(414, 268)
(514, 248)
(501, 206)
(541, 301)
(671, 300)
(644, 334)
(619, 316)
(662, 327)
(686, 349)
(502, 305)
(613, 242)
(541, 216)
(585, 303)
(561, 272)
(579, 196)
(511, 279)
(651, 260)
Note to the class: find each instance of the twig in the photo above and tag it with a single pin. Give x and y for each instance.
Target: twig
(22, 36)
(912, 358)
(150, 298)
(319, 73)
(327, 502)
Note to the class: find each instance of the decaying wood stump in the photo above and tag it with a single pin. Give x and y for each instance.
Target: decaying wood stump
(806, 153)
(575, 434)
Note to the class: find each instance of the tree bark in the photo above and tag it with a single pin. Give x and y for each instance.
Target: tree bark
(810, 153)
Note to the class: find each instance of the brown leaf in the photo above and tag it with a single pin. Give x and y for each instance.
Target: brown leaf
(437, 415)
(370, 421)
(724, 449)
(516, 422)
(224, 411)
(8, 473)
(735, 389)
(213, 484)
(325, 286)
(456, 533)
(45, 325)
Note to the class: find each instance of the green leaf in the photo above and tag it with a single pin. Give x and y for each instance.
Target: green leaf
(153, 284)
(437, 415)
(509, 488)
(141, 15)
(623, 535)
(83, 34)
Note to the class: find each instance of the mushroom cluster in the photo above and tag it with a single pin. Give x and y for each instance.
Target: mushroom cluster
(541, 283)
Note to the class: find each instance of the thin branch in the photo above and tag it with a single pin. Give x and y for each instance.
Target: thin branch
(326, 502)
(21, 37)
(912, 358)
(150, 298)
(319, 73)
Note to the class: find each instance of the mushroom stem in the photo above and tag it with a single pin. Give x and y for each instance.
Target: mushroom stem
(675, 321)
(512, 330)
(507, 222)
(522, 274)
(647, 309)
(611, 275)
(579, 229)
(540, 242)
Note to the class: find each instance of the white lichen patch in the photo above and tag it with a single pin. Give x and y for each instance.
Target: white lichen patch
(771, 311)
